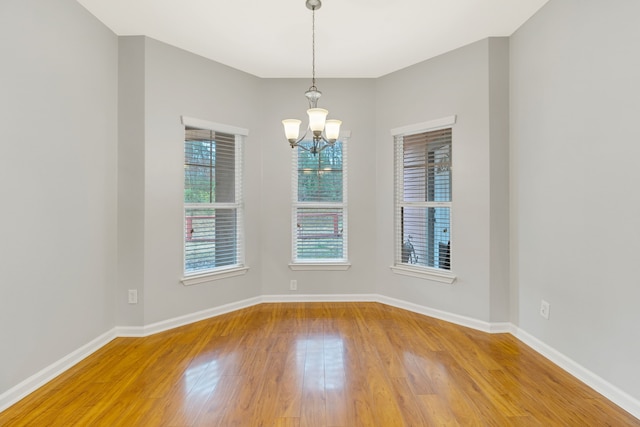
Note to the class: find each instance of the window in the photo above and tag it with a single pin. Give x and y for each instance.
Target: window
(319, 208)
(213, 205)
(423, 166)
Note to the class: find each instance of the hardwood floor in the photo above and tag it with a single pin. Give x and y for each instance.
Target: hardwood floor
(316, 364)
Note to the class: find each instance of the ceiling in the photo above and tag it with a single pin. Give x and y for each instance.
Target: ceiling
(354, 38)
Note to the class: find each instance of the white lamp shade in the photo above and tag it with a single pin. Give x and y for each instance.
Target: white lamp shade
(317, 117)
(291, 128)
(332, 129)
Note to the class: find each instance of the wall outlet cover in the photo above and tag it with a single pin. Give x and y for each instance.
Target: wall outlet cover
(544, 309)
(133, 296)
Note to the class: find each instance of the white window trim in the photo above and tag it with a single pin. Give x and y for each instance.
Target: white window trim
(319, 266)
(218, 127)
(330, 265)
(233, 270)
(428, 273)
(210, 276)
(429, 126)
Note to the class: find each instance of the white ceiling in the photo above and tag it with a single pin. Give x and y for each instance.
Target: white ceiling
(354, 38)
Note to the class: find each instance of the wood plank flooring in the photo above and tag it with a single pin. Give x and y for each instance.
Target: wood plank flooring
(316, 364)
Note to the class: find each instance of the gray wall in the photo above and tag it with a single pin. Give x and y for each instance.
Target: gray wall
(58, 134)
(456, 83)
(352, 101)
(172, 83)
(499, 285)
(131, 179)
(575, 145)
(167, 83)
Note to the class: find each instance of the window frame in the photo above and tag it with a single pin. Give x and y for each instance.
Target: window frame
(321, 264)
(238, 268)
(435, 274)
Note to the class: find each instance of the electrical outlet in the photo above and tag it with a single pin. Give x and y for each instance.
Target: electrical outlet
(544, 309)
(293, 285)
(133, 296)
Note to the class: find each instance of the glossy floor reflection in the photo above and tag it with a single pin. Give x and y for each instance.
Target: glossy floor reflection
(316, 364)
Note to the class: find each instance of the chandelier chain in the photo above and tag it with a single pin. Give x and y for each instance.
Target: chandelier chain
(313, 47)
(325, 132)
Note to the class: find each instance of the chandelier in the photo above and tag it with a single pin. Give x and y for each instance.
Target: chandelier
(324, 132)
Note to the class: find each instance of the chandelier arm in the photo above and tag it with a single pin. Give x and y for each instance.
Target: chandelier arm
(328, 143)
(302, 147)
(297, 143)
(316, 140)
(322, 148)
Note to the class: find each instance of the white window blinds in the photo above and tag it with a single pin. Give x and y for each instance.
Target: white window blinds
(423, 199)
(213, 233)
(319, 206)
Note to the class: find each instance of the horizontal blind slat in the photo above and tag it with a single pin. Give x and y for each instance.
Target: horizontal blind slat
(319, 231)
(212, 177)
(423, 177)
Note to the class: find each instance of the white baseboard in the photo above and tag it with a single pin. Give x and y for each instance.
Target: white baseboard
(605, 388)
(438, 314)
(165, 325)
(617, 396)
(39, 379)
(321, 298)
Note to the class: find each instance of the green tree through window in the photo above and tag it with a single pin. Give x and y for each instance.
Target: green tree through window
(319, 209)
(211, 208)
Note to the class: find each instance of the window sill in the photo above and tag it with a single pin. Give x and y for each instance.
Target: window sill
(319, 266)
(436, 275)
(213, 275)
